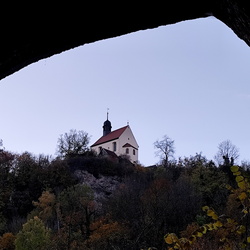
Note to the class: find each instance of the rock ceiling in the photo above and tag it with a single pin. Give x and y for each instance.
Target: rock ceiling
(33, 32)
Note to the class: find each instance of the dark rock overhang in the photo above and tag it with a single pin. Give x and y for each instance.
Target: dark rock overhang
(33, 32)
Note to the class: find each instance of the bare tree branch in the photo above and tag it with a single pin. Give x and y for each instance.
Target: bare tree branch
(226, 150)
(165, 150)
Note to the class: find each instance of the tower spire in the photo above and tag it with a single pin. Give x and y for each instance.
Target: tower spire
(107, 125)
(107, 113)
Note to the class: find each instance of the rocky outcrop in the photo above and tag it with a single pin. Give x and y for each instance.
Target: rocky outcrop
(30, 32)
(103, 186)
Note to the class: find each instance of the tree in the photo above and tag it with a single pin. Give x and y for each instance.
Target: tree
(7, 241)
(108, 235)
(77, 209)
(1, 145)
(73, 143)
(27, 184)
(165, 149)
(58, 176)
(34, 235)
(46, 209)
(227, 153)
(6, 186)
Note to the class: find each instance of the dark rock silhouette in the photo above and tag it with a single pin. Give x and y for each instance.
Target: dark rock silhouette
(30, 32)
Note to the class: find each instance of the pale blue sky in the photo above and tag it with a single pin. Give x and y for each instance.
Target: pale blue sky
(190, 81)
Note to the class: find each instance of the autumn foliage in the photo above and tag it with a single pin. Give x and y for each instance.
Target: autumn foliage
(224, 231)
(194, 203)
(7, 241)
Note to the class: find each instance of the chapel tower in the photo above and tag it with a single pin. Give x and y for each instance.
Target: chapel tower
(107, 126)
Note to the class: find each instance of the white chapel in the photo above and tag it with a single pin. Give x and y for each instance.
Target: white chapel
(120, 142)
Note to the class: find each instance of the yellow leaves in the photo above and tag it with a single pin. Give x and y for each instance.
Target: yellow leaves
(241, 229)
(225, 228)
(245, 211)
(237, 173)
(210, 227)
(205, 208)
(177, 246)
(197, 234)
(204, 229)
(176, 243)
(241, 185)
(192, 239)
(242, 196)
(234, 169)
(230, 221)
(170, 238)
(239, 178)
(212, 214)
(217, 224)
(241, 182)
(183, 241)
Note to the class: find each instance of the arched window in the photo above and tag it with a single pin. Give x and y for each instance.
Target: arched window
(127, 150)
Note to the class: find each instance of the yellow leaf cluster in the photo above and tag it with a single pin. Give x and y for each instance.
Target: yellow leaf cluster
(234, 169)
(211, 213)
(171, 238)
(245, 211)
(227, 228)
(217, 224)
(242, 196)
(241, 184)
(241, 229)
(239, 178)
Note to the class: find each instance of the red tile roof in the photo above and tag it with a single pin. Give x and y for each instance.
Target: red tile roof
(111, 136)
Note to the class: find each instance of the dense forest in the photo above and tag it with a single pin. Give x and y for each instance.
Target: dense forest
(189, 203)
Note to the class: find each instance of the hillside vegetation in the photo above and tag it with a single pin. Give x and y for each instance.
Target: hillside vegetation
(83, 201)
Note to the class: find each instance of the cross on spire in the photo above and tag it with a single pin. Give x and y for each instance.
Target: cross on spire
(107, 113)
